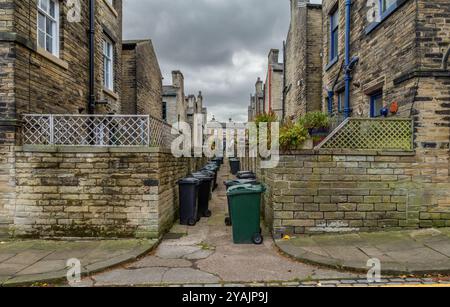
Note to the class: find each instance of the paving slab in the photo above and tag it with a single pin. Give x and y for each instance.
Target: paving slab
(403, 252)
(124, 277)
(153, 261)
(188, 275)
(30, 262)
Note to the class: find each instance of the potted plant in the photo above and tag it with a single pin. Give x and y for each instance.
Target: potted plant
(293, 136)
(318, 125)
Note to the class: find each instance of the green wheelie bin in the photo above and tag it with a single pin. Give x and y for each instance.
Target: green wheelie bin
(245, 205)
(232, 183)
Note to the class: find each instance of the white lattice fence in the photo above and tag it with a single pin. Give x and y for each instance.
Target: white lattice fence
(95, 130)
(372, 134)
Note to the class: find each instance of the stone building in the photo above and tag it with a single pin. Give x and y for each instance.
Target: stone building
(195, 106)
(141, 79)
(303, 61)
(397, 57)
(361, 178)
(86, 187)
(174, 100)
(273, 88)
(257, 100)
(44, 52)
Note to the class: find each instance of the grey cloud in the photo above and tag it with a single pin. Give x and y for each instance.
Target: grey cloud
(220, 45)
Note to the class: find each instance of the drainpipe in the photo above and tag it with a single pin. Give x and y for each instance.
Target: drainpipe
(330, 102)
(284, 82)
(348, 77)
(91, 103)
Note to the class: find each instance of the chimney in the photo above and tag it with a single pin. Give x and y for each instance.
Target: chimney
(273, 56)
(259, 86)
(177, 79)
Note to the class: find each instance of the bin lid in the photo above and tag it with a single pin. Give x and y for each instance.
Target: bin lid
(208, 172)
(246, 189)
(230, 183)
(202, 176)
(211, 167)
(245, 172)
(189, 181)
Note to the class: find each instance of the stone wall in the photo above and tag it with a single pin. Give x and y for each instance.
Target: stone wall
(142, 79)
(337, 191)
(303, 86)
(89, 192)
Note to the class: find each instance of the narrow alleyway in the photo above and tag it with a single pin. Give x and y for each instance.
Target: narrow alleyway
(205, 255)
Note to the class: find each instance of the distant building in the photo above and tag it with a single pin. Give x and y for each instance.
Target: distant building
(257, 101)
(273, 88)
(174, 107)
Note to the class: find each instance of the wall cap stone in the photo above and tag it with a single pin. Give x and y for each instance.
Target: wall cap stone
(348, 152)
(89, 149)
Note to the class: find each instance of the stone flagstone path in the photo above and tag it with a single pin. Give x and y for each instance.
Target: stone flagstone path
(205, 255)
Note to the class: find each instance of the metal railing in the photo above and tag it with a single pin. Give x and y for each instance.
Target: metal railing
(96, 130)
(372, 134)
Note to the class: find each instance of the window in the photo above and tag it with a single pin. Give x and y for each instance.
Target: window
(334, 35)
(164, 111)
(48, 26)
(341, 101)
(376, 104)
(108, 64)
(385, 5)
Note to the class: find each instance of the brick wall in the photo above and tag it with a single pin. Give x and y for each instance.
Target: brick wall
(326, 191)
(94, 192)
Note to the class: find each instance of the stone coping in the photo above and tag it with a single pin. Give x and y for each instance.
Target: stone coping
(37, 262)
(89, 149)
(349, 152)
(417, 252)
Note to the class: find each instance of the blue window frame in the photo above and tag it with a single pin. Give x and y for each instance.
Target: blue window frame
(386, 9)
(334, 35)
(385, 5)
(376, 104)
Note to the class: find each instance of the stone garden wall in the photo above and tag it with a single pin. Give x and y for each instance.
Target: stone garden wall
(336, 191)
(93, 192)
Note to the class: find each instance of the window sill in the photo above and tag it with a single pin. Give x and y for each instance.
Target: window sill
(111, 8)
(111, 93)
(52, 58)
(331, 63)
(374, 25)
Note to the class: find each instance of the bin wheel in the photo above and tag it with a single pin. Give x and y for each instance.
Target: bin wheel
(207, 214)
(228, 221)
(192, 221)
(258, 239)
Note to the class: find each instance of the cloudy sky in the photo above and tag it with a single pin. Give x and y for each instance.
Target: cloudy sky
(221, 46)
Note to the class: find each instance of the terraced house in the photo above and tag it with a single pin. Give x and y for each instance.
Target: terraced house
(79, 111)
(394, 55)
(386, 83)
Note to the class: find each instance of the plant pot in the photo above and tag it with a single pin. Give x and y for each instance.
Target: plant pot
(318, 135)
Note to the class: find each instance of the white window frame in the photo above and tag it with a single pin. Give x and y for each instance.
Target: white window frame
(55, 24)
(108, 64)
